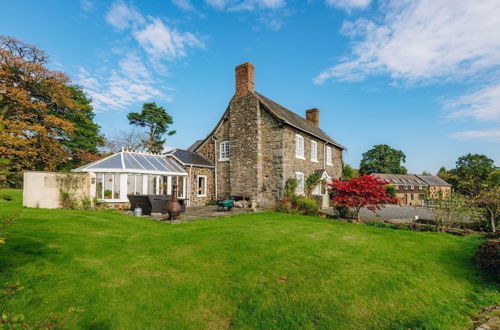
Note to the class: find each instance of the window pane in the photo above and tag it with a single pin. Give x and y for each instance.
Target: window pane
(108, 186)
(138, 184)
(130, 184)
(151, 184)
(117, 186)
(98, 186)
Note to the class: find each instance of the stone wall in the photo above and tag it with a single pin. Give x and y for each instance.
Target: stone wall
(245, 163)
(262, 153)
(273, 180)
(196, 200)
(306, 166)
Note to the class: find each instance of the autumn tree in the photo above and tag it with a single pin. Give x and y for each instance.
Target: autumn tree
(383, 159)
(366, 191)
(157, 121)
(31, 135)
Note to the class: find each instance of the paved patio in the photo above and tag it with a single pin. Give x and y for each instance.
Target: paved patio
(200, 212)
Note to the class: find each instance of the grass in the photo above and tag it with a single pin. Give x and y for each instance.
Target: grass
(84, 269)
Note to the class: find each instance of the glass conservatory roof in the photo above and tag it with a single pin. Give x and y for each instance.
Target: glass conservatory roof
(135, 162)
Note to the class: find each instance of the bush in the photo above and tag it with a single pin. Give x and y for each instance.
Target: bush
(67, 201)
(306, 206)
(283, 206)
(458, 231)
(380, 224)
(291, 185)
(422, 227)
(297, 204)
(487, 257)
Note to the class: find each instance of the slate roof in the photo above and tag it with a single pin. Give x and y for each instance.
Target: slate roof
(433, 180)
(405, 179)
(194, 145)
(190, 158)
(292, 119)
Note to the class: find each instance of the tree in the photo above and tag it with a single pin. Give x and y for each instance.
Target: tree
(86, 139)
(157, 120)
(365, 191)
(383, 159)
(132, 139)
(472, 174)
(32, 134)
(450, 209)
(489, 200)
(348, 172)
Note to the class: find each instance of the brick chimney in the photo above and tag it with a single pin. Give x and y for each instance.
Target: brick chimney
(312, 115)
(244, 79)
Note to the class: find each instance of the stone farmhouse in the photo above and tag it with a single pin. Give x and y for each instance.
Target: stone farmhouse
(257, 145)
(254, 148)
(411, 188)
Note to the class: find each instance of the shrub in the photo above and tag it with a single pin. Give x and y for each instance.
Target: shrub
(458, 231)
(67, 201)
(344, 212)
(422, 227)
(291, 185)
(87, 204)
(487, 257)
(380, 224)
(306, 206)
(283, 206)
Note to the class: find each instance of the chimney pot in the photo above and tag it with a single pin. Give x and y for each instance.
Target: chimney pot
(244, 79)
(312, 115)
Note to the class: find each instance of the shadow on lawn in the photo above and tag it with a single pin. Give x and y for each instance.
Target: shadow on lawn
(23, 250)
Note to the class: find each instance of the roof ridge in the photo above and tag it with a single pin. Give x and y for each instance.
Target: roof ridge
(310, 128)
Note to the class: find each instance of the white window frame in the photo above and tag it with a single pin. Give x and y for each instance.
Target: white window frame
(224, 151)
(314, 151)
(329, 160)
(300, 187)
(299, 146)
(198, 186)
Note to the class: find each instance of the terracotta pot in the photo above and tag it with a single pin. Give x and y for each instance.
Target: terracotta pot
(173, 207)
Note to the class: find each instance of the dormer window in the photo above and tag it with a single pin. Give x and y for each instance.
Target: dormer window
(225, 151)
(299, 146)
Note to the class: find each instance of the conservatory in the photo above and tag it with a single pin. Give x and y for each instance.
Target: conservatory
(133, 173)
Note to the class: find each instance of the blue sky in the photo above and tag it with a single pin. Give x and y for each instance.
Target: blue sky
(422, 76)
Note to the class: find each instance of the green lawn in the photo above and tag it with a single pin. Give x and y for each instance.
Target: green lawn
(82, 269)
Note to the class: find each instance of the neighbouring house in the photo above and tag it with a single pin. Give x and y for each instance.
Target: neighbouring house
(437, 186)
(411, 189)
(254, 148)
(258, 144)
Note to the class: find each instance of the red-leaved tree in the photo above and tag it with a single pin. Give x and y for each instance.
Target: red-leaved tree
(365, 191)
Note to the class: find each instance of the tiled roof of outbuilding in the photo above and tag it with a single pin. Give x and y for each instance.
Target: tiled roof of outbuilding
(433, 180)
(190, 158)
(194, 145)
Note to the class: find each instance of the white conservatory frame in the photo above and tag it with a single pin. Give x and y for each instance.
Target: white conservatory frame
(145, 166)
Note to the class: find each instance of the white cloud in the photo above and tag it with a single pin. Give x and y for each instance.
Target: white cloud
(348, 4)
(184, 4)
(122, 16)
(121, 87)
(482, 105)
(492, 135)
(160, 41)
(423, 41)
(250, 5)
(87, 5)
